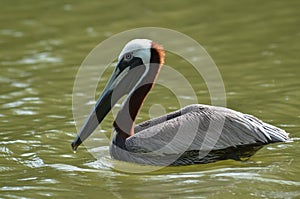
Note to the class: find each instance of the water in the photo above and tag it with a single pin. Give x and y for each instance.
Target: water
(255, 45)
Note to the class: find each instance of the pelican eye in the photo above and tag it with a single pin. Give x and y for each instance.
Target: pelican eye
(128, 56)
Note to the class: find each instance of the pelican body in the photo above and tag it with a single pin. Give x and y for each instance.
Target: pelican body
(192, 135)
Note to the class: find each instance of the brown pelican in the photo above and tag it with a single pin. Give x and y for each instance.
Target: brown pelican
(194, 134)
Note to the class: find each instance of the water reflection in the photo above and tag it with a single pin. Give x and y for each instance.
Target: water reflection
(255, 47)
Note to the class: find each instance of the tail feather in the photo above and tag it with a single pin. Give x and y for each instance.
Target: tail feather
(273, 133)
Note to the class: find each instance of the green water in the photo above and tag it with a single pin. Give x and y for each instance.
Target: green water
(255, 44)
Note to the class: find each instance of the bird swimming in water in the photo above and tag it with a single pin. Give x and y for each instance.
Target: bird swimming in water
(192, 135)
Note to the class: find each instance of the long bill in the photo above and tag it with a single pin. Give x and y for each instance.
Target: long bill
(102, 108)
(121, 83)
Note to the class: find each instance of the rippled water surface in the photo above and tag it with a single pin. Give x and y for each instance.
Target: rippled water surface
(254, 43)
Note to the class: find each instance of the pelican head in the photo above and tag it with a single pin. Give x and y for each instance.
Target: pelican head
(138, 65)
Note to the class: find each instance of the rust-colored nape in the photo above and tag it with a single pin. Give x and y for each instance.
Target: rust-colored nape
(160, 52)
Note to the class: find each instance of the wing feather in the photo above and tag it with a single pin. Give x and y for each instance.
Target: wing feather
(197, 128)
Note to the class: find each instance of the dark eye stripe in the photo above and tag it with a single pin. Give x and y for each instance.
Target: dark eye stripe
(122, 64)
(134, 62)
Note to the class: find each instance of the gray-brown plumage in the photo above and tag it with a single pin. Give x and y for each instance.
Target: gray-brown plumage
(195, 134)
(189, 131)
